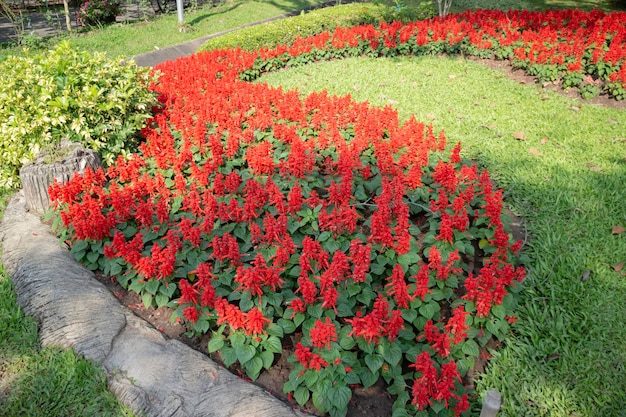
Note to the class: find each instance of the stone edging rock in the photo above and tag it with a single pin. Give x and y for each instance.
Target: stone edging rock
(150, 374)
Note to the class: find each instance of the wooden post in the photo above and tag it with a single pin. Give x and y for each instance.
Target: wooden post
(61, 165)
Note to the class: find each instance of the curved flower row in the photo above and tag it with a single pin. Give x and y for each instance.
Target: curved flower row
(586, 50)
(259, 214)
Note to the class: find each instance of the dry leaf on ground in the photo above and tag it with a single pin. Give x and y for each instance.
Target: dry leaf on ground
(593, 167)
(618, 230)
(519, 136)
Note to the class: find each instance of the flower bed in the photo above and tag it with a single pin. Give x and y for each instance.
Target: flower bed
(260, 214)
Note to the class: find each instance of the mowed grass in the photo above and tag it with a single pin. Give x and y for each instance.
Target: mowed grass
(562, 164)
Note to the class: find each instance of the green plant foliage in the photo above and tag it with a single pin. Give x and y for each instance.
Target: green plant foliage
(285, 31)
(66, 93)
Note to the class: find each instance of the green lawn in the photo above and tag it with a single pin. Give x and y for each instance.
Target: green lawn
(566, 356)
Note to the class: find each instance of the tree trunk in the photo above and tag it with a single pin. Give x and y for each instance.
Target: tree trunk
(37, 176)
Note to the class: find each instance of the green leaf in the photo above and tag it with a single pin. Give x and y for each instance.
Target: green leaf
(80, 245)
(246, 303)
(366, 295)
(320, 401)
(340, 397)
(315, 310)
(229, 356)
(161, 300)
(152, 286)
(116, 269)
(393, 354)
(310, 378)
(237, 339)
(287, 325)
(409, 315)
(245, 353)
(368, 378)
(146, 299)
(253, 367)
(374, 362)
(428, 310)
(273, 344)
(470, 348)
(215, 344)
(499, 311)
(302, 395)
(93, 256)
(275, 330)
(268, 359)
(346, 342)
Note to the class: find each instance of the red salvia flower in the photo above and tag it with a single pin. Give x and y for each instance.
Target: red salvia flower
(191, 314)
(457, 326)
(398, 289)
(188, 293)
(255, 322)
(323, 333)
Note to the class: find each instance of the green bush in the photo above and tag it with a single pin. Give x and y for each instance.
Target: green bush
(285, 31)
(65, 93)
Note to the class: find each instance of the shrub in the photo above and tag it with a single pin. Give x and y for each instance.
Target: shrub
(97, 12)
(69, 94)
(285, 31)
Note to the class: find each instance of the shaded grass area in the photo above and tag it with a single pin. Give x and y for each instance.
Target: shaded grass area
(565, 176)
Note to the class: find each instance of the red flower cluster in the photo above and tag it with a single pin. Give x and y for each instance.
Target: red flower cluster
(438, 386)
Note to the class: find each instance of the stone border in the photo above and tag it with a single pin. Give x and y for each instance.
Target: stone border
(152, 375)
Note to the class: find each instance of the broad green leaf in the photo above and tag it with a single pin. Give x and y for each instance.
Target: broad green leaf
(268, 359)
(228, 355)
(368, 378)
(340, 397)
(146, 299)
(254, 367)
(470, 348)
(245, 353)
(302, 395)
(215, 344)
(273, 344)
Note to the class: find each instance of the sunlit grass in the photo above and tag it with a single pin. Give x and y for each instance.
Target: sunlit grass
(562, 165)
